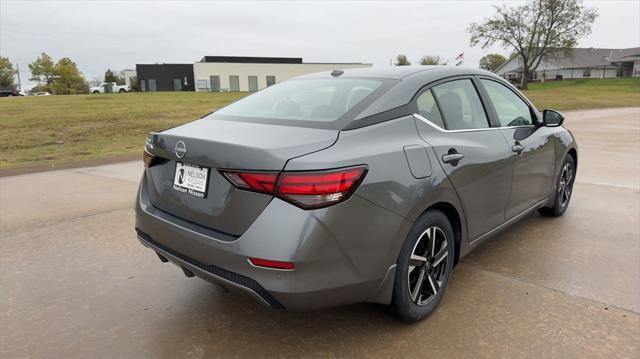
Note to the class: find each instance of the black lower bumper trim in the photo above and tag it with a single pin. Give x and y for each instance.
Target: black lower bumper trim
(217, 271)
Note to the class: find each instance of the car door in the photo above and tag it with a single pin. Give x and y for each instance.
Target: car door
(472, 152)
(532, 148)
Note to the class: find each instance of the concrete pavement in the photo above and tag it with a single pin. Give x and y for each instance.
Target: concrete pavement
(74, 281)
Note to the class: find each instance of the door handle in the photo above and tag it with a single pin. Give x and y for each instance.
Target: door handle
(517, 148)
(452, 158)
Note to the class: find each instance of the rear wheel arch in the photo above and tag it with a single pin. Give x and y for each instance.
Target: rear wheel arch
(573, 153)
(454, 218)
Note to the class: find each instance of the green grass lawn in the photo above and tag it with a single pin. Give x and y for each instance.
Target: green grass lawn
(577, 94)
(59, 129)
(56, 129)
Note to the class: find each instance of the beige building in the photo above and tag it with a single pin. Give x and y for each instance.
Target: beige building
(225, 73)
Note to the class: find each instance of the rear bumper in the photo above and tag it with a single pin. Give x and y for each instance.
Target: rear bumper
(343, 254)
(210, 272)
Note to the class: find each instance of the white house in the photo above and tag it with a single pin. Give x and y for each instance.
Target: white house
(578, 63)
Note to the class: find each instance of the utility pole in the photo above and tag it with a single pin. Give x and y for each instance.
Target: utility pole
(18, 72)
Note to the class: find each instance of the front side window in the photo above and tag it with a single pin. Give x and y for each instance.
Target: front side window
(303, 100)
(428, 109)
(460, 105)
(511, 109)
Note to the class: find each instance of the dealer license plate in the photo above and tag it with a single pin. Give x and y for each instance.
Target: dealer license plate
(191, 179)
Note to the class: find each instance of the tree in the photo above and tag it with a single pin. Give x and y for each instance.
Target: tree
(43, 70)
(134, 83)
(537, 29)
(492, 61)
(109, 76)
(432, 60)
(7, 73)
(401, 60)
(69, 80)
(62, 77)
(120, 78)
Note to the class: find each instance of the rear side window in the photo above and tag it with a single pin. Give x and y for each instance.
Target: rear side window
(511, 109)
(428, 109)
(460, 105)
(304, 100)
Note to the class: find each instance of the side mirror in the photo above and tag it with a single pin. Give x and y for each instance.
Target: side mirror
(552, 118)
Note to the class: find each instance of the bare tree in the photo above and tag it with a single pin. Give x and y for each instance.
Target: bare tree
(535, 30)
(96, 81)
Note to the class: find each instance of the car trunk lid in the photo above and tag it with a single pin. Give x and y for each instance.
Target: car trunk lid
(219, 144)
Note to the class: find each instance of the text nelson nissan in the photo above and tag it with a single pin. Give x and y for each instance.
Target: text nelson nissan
(351, 186)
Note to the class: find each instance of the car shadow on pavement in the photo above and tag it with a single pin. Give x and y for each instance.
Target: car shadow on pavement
(232, 324)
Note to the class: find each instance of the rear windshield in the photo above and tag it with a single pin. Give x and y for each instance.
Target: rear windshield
(303, 101)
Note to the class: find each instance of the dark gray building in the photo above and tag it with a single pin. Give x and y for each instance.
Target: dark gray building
(165, 77)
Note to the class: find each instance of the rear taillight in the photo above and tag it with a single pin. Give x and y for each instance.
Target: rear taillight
(147, 157)
(307, 189)
(315, 189)
(263, 182)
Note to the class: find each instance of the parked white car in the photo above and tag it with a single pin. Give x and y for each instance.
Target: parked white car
(114, 88)
(40, 94)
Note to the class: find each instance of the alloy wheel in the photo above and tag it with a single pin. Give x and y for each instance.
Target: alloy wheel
(566, 184)
(428, 265)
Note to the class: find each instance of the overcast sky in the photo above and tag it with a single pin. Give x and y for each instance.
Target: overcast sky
(118, 34)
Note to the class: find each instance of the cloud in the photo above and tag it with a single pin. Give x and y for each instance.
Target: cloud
(119, 34)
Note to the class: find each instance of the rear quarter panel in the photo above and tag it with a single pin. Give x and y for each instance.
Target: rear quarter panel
(564, 141)
(372, 237)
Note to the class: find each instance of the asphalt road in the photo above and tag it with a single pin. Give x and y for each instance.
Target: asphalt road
(75, 282)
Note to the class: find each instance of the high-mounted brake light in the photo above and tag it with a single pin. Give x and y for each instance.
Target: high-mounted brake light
(307, 190)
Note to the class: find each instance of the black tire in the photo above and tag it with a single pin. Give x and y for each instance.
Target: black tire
(564, 189)
(411, 304)
(96, 92)
(122, 91)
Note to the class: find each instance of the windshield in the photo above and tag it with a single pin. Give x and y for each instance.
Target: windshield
(313, 100)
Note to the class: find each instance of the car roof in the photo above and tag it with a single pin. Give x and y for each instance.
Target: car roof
(398, 72)
(401, 84)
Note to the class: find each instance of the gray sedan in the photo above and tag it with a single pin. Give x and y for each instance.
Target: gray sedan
(361, 185)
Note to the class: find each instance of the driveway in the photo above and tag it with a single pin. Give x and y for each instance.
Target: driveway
(75, 282)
